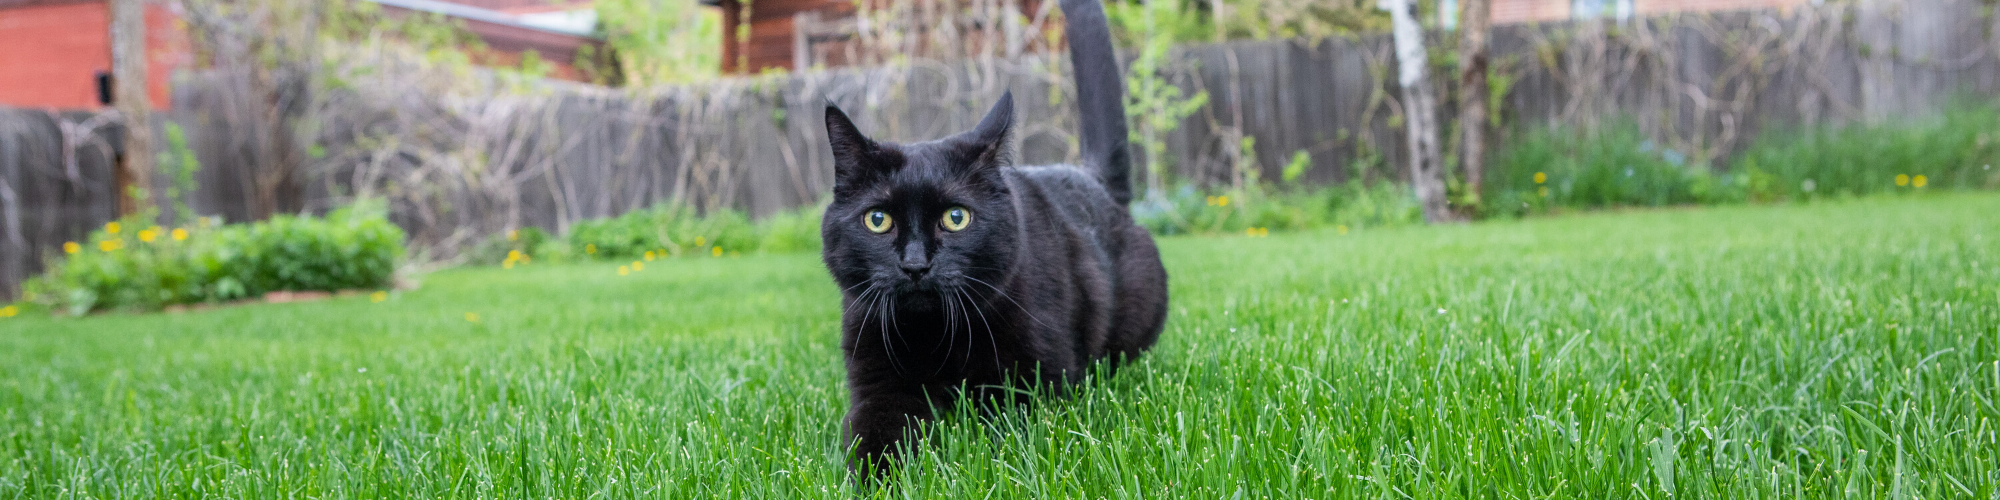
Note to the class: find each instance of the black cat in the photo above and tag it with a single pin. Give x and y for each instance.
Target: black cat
(962, 271)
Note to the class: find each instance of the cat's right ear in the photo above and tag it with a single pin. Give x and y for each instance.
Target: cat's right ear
(853, 154)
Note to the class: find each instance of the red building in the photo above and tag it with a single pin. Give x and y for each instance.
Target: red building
(57, 53)
(789, 34)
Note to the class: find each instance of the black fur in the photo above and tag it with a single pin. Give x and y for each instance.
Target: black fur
(1050, 275)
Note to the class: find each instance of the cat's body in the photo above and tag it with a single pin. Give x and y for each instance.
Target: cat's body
(962, 271)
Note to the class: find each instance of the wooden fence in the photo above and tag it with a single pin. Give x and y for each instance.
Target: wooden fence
(464, 158)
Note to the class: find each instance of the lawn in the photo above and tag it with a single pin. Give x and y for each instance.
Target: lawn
(1832, 349)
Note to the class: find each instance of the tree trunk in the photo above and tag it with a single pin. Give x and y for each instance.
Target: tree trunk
(1419, 111)
(1472, 115)
(128, 79)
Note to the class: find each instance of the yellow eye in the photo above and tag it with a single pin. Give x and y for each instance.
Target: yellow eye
(877, 221)
(957, 218)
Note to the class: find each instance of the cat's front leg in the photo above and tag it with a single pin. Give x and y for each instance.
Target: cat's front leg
(876, 422)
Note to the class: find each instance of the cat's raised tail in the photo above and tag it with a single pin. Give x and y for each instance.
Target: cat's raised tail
(1100, 92)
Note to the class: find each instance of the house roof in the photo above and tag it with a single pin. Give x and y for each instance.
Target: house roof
(471, 13)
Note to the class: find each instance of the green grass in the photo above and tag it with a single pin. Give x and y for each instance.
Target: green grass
(1828, 349)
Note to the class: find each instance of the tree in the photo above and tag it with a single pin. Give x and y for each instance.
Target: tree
(1419, 110)
(1472, 43)
(128, 79)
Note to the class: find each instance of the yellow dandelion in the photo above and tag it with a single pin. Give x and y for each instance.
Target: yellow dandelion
(111, 227)
(180, 234)
(1342, 228)
(472, 316)
(110, 245)
(514, 255)
(507, 265)
(649, 256)
(378, 297)
(1541, 177)
(70, 247)
(1210, 201)
(1920, 181)
(9, 311)
(1222, 201)
(1544, 191)
(624, 270)
(148, 236)
(1902, 179)
(1250, 231)
(700, 241)
(638, 266)
(716, 251)
(590, 249)
(514, 235)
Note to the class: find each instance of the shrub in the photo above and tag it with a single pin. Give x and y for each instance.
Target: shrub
(512, 245)
(1564, 167)
(131, 265)
(1353, 205)
(796, 231)
(1613, 166)
(352, 248)
(667, 229)
(1953, 151)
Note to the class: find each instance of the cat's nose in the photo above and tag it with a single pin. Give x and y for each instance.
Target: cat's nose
(916, 267)
(914, 262)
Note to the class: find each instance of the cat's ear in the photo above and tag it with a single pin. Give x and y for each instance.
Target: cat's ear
(854, 157)
(989, 142)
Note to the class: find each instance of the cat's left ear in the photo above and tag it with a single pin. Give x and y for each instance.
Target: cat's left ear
(989, 142)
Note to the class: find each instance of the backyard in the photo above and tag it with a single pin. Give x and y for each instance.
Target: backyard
(1837, 348)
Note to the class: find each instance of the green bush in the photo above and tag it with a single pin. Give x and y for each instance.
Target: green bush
(1189, 211)
(1618, 166)
(668, 230)
(514, 246)
(130, 265)
(352, 248)
(1613, 166)
(1957, 150)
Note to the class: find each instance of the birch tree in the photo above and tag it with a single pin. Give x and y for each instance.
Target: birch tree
(1419, 110)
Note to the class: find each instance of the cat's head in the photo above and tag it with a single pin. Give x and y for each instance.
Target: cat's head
(924, 219)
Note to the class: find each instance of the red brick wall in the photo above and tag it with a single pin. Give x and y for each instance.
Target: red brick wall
(54, 52)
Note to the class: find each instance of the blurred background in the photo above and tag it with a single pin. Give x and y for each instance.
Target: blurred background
(504, 131)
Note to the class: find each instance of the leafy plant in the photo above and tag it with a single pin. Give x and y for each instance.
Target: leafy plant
(1256, 211)
(130, 264)
(662, 41)
(1954, 151)
(179, 162)
(663, 230)
(1612, 166)
(1154, 104)
(352, 248)
(1618, 166)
